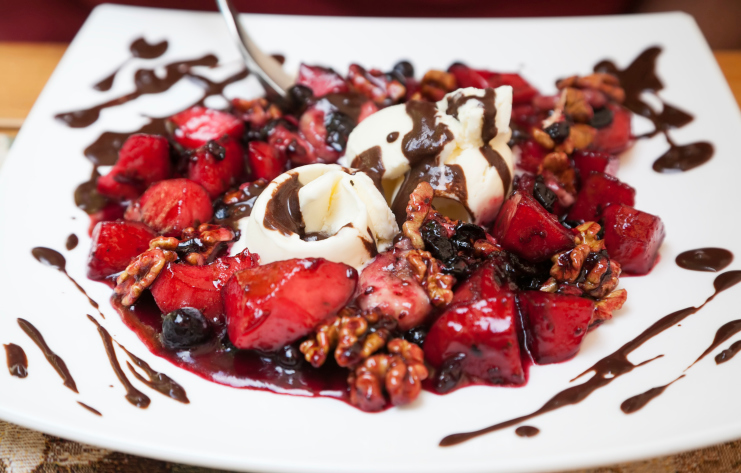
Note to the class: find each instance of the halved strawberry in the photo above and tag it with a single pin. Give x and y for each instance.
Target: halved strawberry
(598, 191)
(114, 245)
(555, 323)
(525, 228)
(170, 206)
(182, 285)
(198, 125)
(482, 334)
(217, 166)
(615, 137)
(320, 80)
(142, 160)
(265, 161)
(270, 306)
(632, 238)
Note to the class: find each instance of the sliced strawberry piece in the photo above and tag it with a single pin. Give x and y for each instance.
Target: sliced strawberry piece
(110, 212)
(198, 125)
(555, 324)
(321, 80)
(217, 166)
(525, 228)
(170, 206)
(632, 238)
(312, 126)
(598, 191)
(615, 137)
(292, 145)
(522, 91)
(142, 160)
(482, 284)
(588, 161)
(531, 155)
(525, 116)
(270, 306)
(366, 110)
(182, 285)
(377, 86)
(467, 77)
(484, 334)
(114, 245)
(389, 284)
(265, 161)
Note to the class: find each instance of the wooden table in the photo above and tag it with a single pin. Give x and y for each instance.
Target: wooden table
(27, 66)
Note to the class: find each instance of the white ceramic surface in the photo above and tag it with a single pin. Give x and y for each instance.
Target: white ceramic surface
(261, 431)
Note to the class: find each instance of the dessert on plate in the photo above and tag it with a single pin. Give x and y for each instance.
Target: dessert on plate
(376, 234)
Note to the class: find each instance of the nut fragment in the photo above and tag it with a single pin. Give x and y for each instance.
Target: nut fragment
(141, 273)
(611, 302)
(608, 84)
(427, 271)
(420, 203)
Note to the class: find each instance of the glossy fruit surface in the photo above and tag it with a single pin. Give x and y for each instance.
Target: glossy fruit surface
(633, 238)
(114, 245)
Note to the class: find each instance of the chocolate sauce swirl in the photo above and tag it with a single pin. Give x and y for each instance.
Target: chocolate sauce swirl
(54, 360)
(725, 332)
(91, 409)
(705, 259)
(17, 361)
(160, 382)
(527, 431)
(139, 48)
(71, 242)
(728, 353)
(370, 162)
(639, 401)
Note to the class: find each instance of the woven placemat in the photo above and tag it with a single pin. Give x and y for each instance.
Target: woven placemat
(27, 451)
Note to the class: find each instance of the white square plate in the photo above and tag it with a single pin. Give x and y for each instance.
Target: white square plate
(261, 431)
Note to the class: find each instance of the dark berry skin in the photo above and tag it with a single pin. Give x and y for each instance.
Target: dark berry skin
(299, 97)
(602, 118)
(449, 374)
(416, 335)
(404, 68)
(184, 328)
(558, 131)
(543, 194)
(338, 127)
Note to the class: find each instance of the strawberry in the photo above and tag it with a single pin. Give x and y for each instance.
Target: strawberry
(482, 334)
(598, 191)
(312, 126)
(181, 285)
(292, 145)
(522, 91)
(217, 166)
(482, 284)
(632, 238)
(114, 245)
(142, 160)
(388, 283)
(110, 212)
(615, 137)
(555, 324)
(467, 77)
(320, 80)
(525, 228)
(265, 161)
(270, 306)
(198, 125)
(588, 161)
(383, 89)
(170, 206)
(531, 155)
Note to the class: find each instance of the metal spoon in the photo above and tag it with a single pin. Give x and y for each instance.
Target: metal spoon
(268, 70)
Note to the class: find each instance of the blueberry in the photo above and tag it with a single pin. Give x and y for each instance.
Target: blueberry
(437, 242)
(289, 356)
(602, 118)
(184, 328)
(404, 68)
(300, 97)
(416, 335)
(543, 194)
(466, 235)
(558, 131)
(338, 127)
(216, 150)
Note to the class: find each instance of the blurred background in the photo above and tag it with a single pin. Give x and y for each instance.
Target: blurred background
(58, 20)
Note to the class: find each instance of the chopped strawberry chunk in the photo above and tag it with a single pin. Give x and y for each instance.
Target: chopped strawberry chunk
(114, 245)
(265, 161)
(555, 323)
(467, 77)
(270, 306)
(484, 334)
(531, 155)
(525, 228)
(598, 191)
(632, 238)
(110, 212)
(482, 284)
(142, 160)
(292, 145)
(170, 206)
(182, 285)
(313, 127)
(615, 137)
(590, 161)
(199, 125)
(217, 166)
(320, 80)
(522, 91)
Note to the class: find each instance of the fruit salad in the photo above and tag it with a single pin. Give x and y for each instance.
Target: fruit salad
(376, 234)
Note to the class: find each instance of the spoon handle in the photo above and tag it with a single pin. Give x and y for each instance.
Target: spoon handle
(269, 71)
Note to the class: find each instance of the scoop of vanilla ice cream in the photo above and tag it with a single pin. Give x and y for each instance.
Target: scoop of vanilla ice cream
(488, 166)
(345, 218)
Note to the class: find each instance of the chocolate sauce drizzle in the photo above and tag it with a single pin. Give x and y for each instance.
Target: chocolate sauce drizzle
(728, 353)
(391, 137)
(54, 259)
(527, 431)
(725, 332)
(17, 361)
(93, 410)
(370, 162)
(607, 369)
(640, 76)
(54, 360)
(133, 395)
(639, 401)
(229, 214)
(71, 242)
(705, 259)
(160, 382)
(283, 212)
(139, 48)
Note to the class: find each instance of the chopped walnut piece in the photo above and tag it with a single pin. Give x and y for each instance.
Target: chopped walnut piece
(611, 302)
(141, 273)
(200, 246)
(420, 203)
(567, 264)
(587, 234)
(581, 135)
(256, 112)
(434, 85)
(577, 106)
(399, 374)
(427, 270)
(543, 139)
(608, 84)
(316, 348)
(559, 164)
